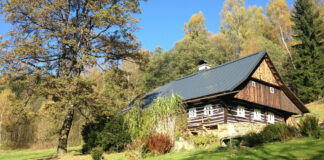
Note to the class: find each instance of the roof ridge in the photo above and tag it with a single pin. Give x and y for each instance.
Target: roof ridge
(221, 65)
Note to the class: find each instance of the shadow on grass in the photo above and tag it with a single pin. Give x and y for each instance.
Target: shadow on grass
(300, 149)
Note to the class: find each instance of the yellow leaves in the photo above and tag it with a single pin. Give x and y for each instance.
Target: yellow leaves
(195, 26)
(279, 16)
(251, 45)
(6, 98)
(239, 24)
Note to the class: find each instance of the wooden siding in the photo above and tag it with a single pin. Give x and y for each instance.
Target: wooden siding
(233, 118)
(264, 73)
(202, 120)
(260, 94)
(287, 104)
(229, 113)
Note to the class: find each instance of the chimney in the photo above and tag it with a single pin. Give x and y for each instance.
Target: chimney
(203, 65)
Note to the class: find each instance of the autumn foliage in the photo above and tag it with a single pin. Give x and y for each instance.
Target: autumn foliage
(159, 144)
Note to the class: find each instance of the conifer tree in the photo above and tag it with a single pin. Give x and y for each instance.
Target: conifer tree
(309, 34)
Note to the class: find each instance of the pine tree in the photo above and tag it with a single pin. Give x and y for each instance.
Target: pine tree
(309, 33)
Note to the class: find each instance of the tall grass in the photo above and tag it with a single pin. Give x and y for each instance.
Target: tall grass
(160, 117)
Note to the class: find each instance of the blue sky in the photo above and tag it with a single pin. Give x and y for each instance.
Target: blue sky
(162, 21)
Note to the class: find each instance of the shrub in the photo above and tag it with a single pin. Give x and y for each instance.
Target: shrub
(308, 126)
(108, 132)
(252, 139)
(159, 144)
(203, 140)
(273, 132)
(233, 143)
(96, 153)
(278, 132)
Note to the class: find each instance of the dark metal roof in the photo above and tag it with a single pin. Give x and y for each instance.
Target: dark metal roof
(222, 78)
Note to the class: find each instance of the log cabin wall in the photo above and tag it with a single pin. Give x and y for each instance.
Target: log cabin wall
(201, 119)
(249, 115)
(260, 93)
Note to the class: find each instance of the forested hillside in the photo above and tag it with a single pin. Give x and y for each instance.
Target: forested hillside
(72, 61)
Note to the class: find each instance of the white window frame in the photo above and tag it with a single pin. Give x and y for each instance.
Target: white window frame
(192, 113)
(253, 84)
(257, 114)
(270, 118)
(240, 111)
(208, 110)
(272, 90)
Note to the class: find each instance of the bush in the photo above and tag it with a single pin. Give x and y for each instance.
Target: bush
(233, 143)
(110, 133)
(252, 139)
(96, 153)
(308, 126)
(203, 140)
(278, 132)
(158, 144)
(273, 132)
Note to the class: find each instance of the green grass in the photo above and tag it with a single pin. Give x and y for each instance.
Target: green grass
(30, 154)
(317, 108)
(304, 148)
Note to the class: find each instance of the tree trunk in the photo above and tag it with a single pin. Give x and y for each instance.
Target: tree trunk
(64, 132)
(1, 116)
(284, 42)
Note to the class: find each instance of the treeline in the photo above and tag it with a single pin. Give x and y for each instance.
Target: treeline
(52, 81)
(292, 36)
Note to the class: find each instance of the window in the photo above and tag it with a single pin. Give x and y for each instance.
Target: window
(257, 114)
(192, 112)
(208, 110)
(253, 84)
(270, 117)
(271, 90)
(240, 111)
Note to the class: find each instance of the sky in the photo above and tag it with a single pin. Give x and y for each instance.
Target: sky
(161, 22)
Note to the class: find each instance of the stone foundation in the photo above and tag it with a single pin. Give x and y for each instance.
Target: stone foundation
(233, 130)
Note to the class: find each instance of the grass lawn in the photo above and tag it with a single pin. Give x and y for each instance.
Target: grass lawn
(317, 108)
(303, 148)
(31, 154)
(306, 148)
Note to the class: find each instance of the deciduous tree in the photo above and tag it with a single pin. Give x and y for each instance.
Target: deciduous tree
(55, 40)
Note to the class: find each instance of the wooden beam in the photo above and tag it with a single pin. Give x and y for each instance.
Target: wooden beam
(225, 114)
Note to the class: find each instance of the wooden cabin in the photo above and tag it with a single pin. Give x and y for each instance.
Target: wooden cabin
(244, 93)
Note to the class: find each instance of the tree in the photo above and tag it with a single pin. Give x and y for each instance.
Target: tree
(239, 24)
(5, 103)
(223, 44)
(308, 30)
(279, 16)
(196, 26)
(54, 41)
(183, 58)
(158, 71)
(195, 46)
